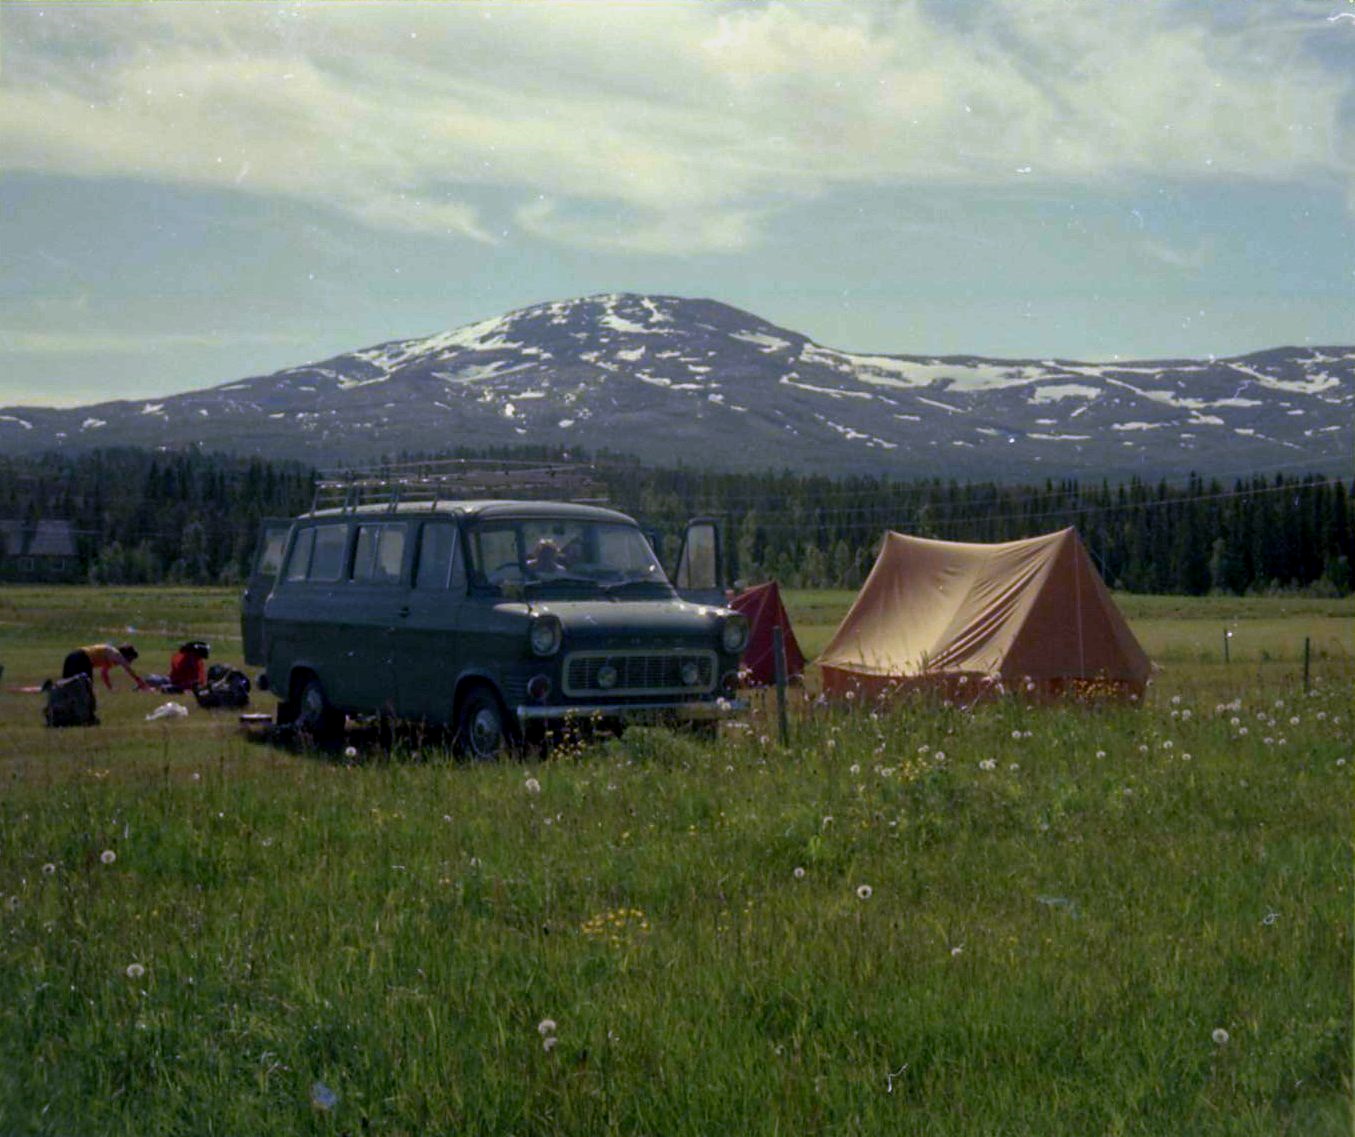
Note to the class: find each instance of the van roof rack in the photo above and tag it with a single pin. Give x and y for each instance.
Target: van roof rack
(459, 479)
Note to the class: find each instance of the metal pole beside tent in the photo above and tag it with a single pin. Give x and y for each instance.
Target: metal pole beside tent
(779, 658)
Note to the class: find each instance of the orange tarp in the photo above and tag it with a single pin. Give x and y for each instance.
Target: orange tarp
(1021, 614)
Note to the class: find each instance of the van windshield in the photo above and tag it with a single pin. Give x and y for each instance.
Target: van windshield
(564, 555)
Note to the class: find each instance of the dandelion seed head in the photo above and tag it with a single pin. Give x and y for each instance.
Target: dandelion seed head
(864, 892)
(988, 764)
(548, 1044)
(135, 971)
(1270, 918)
(350, 752)
(545, 1027)
(532, 786)
(1220, 1036)
(108, 856)
(799, 873)
(48, 869)
(957, 949)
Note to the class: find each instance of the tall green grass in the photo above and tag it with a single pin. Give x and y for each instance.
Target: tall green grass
(1010, 920)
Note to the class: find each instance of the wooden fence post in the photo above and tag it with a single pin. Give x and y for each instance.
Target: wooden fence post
(779, 658)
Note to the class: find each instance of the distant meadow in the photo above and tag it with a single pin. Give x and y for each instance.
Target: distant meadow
(911, 918)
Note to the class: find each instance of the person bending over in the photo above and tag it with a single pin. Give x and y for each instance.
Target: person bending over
(83, 661)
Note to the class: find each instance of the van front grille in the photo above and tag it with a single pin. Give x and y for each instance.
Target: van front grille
(638, 673)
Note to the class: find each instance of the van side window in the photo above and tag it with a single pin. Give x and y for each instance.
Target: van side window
(301, 555)
(496, 557)
(327, 560)
(440, 564)
(379, 553)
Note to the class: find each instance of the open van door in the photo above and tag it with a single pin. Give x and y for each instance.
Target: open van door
(267, 560)
(699, 577)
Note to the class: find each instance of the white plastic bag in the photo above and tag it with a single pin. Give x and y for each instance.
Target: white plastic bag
(168, 711)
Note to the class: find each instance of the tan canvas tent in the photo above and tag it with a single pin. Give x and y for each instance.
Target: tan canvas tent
(1027, 615)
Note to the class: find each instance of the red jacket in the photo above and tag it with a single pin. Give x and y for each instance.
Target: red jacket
(187, 670)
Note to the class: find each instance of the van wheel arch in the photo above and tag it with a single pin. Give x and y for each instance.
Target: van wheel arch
(309, 706)
(482, 726)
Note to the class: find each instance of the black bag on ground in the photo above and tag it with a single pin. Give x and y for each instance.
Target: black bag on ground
(70, 702)
(226, 687)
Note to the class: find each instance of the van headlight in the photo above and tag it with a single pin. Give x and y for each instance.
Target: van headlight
(734, 635)
(546, 635)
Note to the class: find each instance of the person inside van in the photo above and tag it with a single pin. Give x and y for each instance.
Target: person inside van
(83, 661)
(546, 558)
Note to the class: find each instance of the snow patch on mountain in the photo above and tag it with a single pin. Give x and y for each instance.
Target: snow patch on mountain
(762, 340)
(1056, 392)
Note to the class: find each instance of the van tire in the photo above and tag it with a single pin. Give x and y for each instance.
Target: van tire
(315, 718)
(483, 733)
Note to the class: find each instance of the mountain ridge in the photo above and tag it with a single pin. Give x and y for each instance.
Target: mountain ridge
(700, 382)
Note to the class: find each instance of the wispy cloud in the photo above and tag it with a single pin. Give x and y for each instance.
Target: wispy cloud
(1192, 259)
(75, 342)
(662, 127)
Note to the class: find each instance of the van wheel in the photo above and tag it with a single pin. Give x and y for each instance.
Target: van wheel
(482, 732)
(315, 718)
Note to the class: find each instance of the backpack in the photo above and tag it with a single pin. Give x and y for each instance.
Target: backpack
(70, 702)
(226, 687)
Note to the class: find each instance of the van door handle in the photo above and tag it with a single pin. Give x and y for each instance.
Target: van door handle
(404, 611)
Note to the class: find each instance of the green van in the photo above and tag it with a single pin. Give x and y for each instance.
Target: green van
(494, 618)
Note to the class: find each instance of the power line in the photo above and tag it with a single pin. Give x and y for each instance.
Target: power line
(1116, 508)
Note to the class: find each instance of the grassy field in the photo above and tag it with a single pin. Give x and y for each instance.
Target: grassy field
(913, 919)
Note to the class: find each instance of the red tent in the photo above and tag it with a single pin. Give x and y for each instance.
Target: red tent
(762, 605)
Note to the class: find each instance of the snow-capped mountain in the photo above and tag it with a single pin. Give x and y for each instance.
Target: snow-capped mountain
(705, 384)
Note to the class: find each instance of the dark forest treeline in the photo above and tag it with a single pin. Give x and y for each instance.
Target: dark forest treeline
(1253, 534)
(145, 516)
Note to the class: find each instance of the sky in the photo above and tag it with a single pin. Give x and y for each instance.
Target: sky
(193, 193)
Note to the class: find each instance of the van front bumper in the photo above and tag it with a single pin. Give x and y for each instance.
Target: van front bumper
(705, 711)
